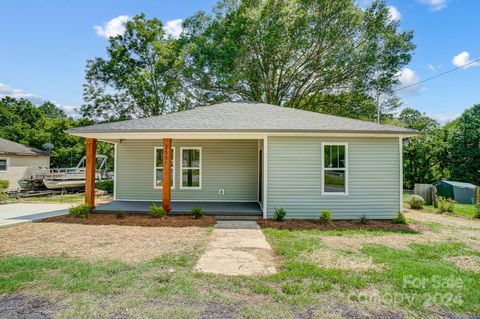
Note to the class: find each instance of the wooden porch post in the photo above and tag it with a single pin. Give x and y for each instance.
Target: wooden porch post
(166, 180)
(90, 163)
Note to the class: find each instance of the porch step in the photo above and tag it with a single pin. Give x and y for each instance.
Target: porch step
(236, 217)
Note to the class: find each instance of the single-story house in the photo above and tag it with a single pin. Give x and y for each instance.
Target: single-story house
(253, 158)
(17, 159)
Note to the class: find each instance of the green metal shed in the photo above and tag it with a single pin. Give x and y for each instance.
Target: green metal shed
(462, 193)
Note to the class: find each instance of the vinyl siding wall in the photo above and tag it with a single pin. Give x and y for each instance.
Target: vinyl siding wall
(294, 178)
(19, 165)
(231, 165)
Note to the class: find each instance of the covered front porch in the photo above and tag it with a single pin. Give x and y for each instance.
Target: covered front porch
(184, 207)
(224, 177)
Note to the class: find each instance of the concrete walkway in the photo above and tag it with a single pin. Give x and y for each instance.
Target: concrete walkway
(237, 248)
(11, 214)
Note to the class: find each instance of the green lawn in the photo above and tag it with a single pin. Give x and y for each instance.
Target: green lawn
(460, 209)
(66, 198)
(417, 280)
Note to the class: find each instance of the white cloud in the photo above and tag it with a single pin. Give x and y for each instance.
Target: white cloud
(462, 59)
(395, 15)
(173, 28)
(435, 5)
(112, 28)
(408, 78)
(444, 118)
(6, 90)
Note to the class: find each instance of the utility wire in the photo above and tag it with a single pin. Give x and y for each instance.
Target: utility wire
(438, 75)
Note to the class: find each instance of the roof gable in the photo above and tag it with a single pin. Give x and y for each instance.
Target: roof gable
(244, 117)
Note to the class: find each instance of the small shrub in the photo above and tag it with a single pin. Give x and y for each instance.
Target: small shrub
(197, 212)
(279, 214)
(416, 202)
(106, 185)
(80, 211)
(363, 219)
(120, 214)
(477, 211)
(156, 211)
(445, 205)
(326, 217)
(4, 184)
(400, 219)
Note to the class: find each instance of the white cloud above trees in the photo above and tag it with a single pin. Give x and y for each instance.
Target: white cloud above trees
(112, 28)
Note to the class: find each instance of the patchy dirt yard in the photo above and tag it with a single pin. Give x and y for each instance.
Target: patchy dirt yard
(98, 242)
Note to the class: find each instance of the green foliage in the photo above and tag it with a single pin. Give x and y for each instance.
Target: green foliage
(416, 201)
(477, 211)
(445, 205)
(279, 52)
(326, 217)
(139, 76)
(464, 147)
(363, 219)
(400, 219)
(120, 214)
(4, 184)
(156, 211)
(197, 212)
(105, 185)
(80, 211)
(279, 214)
(25, 123)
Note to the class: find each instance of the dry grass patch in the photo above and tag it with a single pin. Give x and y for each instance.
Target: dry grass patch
(471, 263)
(332, 259)
(448, 220)
(126, 243)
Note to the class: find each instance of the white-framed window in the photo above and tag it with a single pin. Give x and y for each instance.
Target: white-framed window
(334, 168)
(4, 163)
(191, 168)
(158, 170)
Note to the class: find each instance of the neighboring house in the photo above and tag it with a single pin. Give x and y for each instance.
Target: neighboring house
(243, 154)
(16, 159)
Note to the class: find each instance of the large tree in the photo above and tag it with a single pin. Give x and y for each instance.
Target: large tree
(138, 76)
(424, 156)
(326, 56)
(464, 147)
(329, 56)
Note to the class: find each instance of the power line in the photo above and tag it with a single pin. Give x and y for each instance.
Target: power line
(438, 75)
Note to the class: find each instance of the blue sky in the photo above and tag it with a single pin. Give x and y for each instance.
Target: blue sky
(44, 46)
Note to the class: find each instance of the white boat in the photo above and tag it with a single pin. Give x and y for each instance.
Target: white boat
(73, 177)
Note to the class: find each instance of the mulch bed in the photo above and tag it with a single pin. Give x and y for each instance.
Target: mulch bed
(299, 224)
(135, 220)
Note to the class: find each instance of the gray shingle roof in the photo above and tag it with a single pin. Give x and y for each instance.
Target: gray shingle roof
(9, 147)
(244, 117)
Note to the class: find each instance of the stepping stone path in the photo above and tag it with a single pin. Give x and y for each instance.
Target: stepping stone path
(237, 248)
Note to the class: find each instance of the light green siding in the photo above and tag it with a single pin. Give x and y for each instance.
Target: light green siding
(294, 178)
(231, 165)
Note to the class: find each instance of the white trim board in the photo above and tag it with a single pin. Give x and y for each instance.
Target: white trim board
(155, 167)
(200, 169)
(345, 169)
